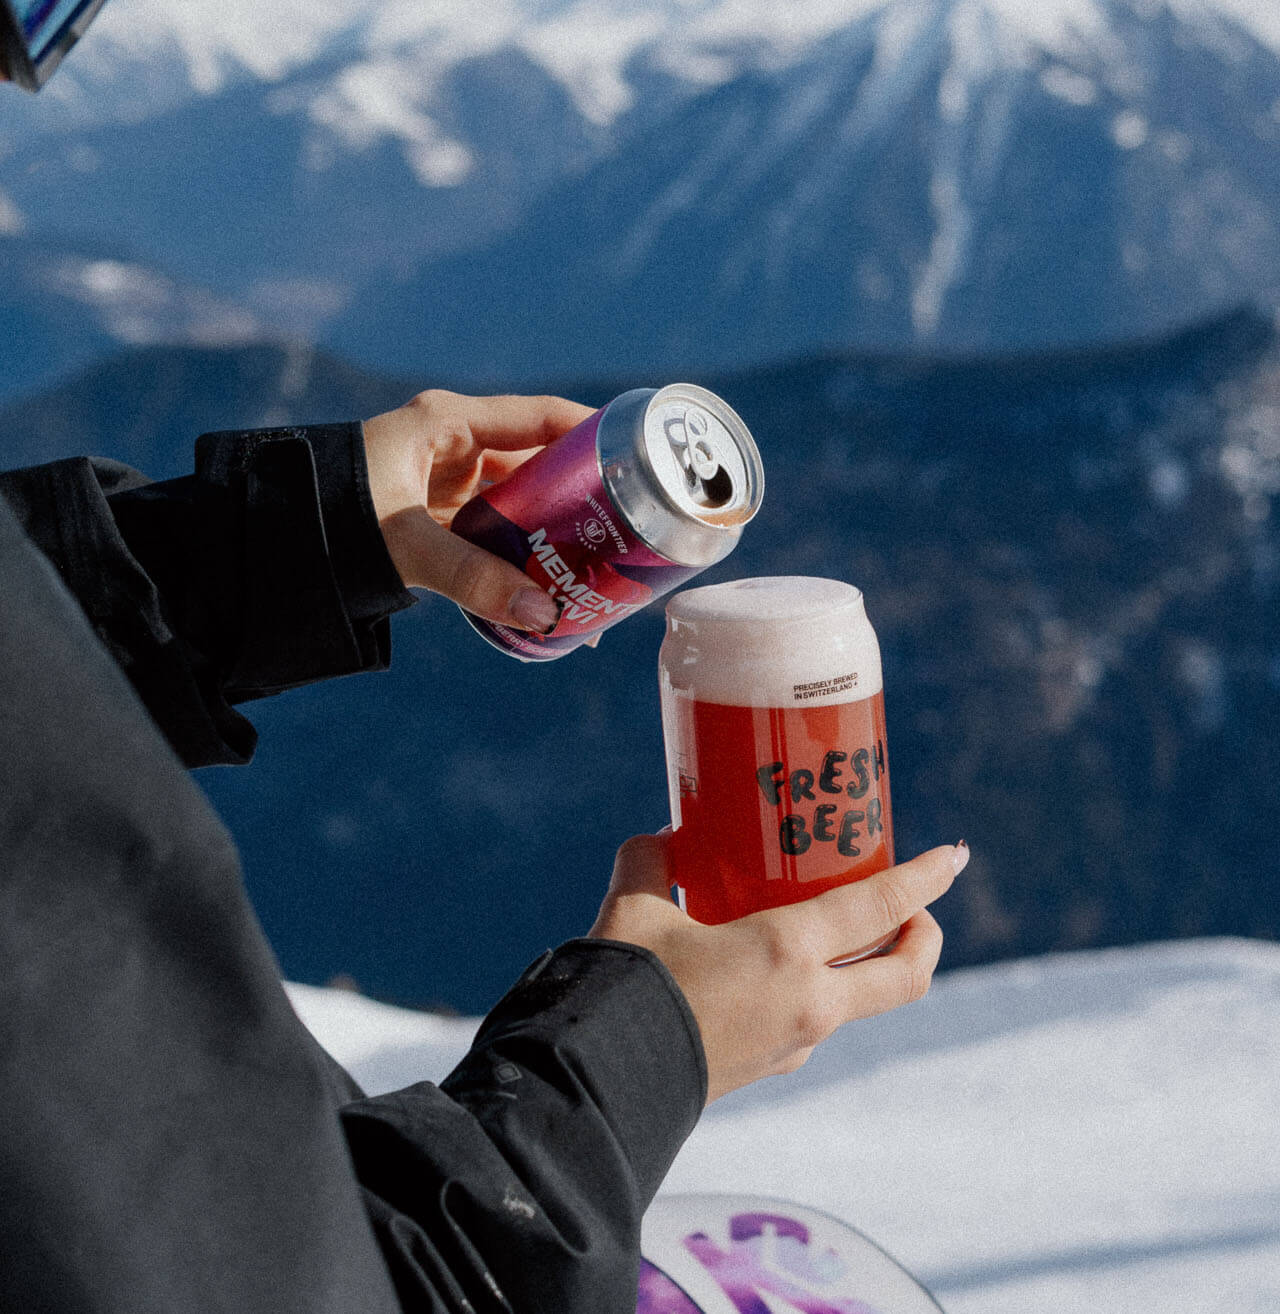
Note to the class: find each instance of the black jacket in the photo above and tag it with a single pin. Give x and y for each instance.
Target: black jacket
(171, 1137)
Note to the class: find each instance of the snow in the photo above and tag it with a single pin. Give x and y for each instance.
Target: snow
(587, 44)
(1259, 18)
(389, 57)
(213, 38)
(1129, 130)
(11, 221)
(1071, 1133)
(138, 305)
(972, 64)
(1054, 25)
(588, 50)
(1074, 88)
(379, 98)
(383, 1047)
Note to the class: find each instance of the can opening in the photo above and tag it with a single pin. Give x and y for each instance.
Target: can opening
(681, 466)
(715, 490)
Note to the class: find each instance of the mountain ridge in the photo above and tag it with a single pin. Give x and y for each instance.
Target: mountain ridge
(523, 192)
(923, 198)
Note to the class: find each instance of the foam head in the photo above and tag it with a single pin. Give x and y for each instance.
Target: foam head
(774, 641)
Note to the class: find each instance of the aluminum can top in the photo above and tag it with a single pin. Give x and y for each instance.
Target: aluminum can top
(683, 468)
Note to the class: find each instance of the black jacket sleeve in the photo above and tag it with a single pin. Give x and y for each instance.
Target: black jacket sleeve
(262, 571)
(168, 1143)
(173, 1141)
(520, 1183)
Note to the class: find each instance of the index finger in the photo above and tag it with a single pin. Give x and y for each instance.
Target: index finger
(855, 916)
(899, 977)
(511, 422)
(496, 465)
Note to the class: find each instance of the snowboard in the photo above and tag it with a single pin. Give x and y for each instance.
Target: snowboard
(748, 1254)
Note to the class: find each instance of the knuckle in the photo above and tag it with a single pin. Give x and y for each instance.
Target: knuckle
(629, 848)
(779, 945)
(934, 942)
(815, 1020)
(929, 943)
(638, 848)
(916, 977)
(887, 903)
(794, 1061)
(435, 402)
(463, 581)
(920, 980)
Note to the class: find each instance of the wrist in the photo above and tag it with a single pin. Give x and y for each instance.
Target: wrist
(395, 496)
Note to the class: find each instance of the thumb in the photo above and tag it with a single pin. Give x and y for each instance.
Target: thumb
(642, 866)
(432, 557)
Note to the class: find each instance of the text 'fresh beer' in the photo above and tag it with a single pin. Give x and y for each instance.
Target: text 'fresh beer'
(773, 718)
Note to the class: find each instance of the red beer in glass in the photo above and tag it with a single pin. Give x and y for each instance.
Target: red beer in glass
(773, 720)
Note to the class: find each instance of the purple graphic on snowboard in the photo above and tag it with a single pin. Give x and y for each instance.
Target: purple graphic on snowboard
(768, 1254)
(659, 1295)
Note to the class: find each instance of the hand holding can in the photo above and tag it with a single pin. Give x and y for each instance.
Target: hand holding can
(762, 988)
(425, 459)
(635, 500)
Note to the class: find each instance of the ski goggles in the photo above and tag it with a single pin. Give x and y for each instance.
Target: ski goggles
(36, 34)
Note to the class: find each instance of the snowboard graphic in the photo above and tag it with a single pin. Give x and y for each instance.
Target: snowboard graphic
(747, 1254)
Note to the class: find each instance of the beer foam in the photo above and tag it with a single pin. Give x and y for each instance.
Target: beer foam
(773, 641)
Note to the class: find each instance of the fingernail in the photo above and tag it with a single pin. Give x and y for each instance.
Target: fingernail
(960, 857)
(535, 610)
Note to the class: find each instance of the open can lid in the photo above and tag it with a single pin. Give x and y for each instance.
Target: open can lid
(682, 468)
(702, 456)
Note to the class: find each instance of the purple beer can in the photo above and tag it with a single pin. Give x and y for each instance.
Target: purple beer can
(636, 500)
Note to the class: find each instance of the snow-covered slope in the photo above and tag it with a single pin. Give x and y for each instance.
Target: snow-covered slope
(65, 302)
(967, 173)
(1085, 1132)
(588, 43)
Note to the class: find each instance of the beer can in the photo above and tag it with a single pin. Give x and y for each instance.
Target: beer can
(637, 499)
(774, 728)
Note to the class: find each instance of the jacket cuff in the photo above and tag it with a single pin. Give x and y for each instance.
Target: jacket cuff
(367, 578)
(542, 1149)
(611, 1014)
(296, 502)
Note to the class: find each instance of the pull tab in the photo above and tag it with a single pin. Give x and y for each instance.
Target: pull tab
(688, 434)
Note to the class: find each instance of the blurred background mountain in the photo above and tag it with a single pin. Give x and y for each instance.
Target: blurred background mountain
(993, 283)
(534, 187)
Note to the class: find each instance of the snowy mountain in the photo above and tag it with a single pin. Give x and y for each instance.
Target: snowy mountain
(958, 173)
(66, 302)
(530, 187)
(285, 197)
(1081, 1132)
(170, 52)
